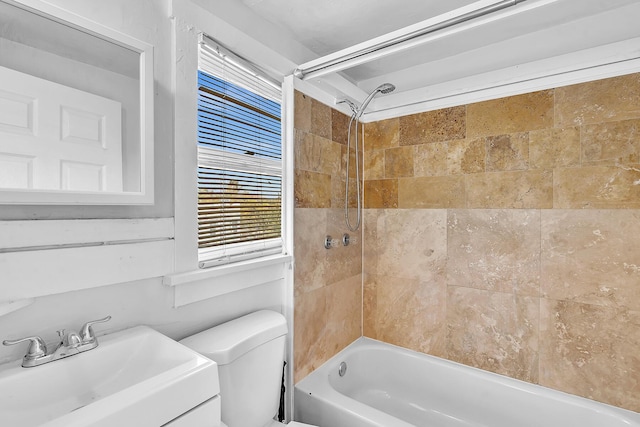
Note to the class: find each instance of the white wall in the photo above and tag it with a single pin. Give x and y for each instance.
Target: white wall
(147, 301)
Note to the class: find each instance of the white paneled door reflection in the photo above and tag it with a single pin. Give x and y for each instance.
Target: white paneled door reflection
(54, 137)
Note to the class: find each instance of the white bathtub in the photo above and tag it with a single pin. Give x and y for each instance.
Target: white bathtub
(387, 386)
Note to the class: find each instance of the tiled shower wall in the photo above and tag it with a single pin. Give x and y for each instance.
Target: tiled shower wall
(327, 282)
(505, 235)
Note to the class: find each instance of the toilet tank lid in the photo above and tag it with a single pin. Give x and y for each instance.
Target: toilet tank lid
(228, 341)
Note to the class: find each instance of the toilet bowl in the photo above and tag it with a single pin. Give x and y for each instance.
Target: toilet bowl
(249, 352)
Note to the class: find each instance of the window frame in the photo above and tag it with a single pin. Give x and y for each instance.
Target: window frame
(190, 283)
(220, 67)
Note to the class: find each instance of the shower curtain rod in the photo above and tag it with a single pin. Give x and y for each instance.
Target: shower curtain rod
(389, 44)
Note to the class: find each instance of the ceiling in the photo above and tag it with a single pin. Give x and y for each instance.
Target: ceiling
(325, 26)
(521, 42)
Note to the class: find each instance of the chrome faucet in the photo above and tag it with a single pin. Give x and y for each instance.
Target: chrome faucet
(70, 343)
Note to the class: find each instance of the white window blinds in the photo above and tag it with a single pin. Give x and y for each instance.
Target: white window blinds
(239, 159)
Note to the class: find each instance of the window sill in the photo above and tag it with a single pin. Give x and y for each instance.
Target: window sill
(201, 284)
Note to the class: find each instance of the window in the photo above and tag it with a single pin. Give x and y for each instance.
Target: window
(239, 159)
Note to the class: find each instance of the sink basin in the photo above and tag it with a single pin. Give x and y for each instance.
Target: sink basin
(134, 377)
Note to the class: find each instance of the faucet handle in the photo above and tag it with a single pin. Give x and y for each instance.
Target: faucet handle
(69, 339)
(86, 333)
(37, 348)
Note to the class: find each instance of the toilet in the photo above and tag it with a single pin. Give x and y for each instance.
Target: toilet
(249, 352)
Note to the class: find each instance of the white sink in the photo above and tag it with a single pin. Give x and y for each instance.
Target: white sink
(137, 377)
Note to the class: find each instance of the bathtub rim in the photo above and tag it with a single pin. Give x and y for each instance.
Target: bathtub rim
(317, 382)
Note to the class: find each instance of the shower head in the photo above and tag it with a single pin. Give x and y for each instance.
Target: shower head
(383, 88)
(386, 88)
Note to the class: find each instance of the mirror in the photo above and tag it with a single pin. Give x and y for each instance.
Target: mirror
(76, 110)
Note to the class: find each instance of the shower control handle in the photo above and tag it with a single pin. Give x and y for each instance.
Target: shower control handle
(329, 242)
(86, 332)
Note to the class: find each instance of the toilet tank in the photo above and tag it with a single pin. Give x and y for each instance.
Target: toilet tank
(249, 352)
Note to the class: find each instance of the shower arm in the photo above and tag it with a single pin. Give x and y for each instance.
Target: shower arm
(352, 106)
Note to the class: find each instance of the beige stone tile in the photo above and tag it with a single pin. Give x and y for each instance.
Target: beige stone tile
(411, 313)
(598, 101)
(381, 135)
(404, 291)
(398, 162)
(381, 193)
(329, 156)
(611, 143)
(320, 119)
(346, 313)
(412, 246)
(339, 126)
(303, 144)
(369, 307)
(433, 126)
(302, 112)
(508, 152)
(513, 114)
(338, 192)
(325, 321)
(431, 192)
(493, 331)
(310, 331)
(311, 264)
(495, 250)
(591, 256)
(466, 156)
(343, 261)
(312, 190)
(550, 148)
(430, 159)
(372, 243)
(591, 351)
(532, 189)
(340, 131)
(597, 187)
(316, 154)
(352, 162)
(374, 164)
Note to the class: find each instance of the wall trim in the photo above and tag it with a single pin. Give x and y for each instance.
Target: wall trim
(20, 235)
(39, 258)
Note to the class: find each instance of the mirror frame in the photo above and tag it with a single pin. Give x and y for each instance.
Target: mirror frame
(145, 50)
